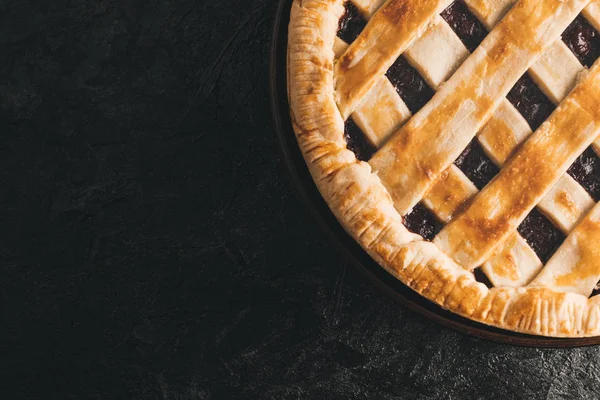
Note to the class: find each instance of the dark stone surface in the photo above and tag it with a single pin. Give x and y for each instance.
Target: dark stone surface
(152, 247)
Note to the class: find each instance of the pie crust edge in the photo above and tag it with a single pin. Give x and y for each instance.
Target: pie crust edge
(366, 211)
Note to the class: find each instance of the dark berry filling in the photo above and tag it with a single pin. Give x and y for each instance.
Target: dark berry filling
(541, 234)
(476, 165)
(583, 40)
(411, 87)
(529, 100)
(586, 171)
(468, 28)
(595, 291)
(357, 141)
(422, 222)
(351, 24)
(481, 278)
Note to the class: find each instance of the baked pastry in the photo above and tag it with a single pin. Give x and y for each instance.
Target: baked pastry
(458, 143)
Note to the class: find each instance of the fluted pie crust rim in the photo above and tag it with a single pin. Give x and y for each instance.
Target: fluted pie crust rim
(366, 210)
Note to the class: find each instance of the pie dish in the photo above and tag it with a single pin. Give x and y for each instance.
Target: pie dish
(458, 142)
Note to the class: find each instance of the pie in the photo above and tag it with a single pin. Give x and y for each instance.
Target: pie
(458, 142)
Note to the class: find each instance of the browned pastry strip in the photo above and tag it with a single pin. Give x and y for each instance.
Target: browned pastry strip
(575, 267)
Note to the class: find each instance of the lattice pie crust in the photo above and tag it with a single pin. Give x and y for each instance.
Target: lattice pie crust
(461, 145)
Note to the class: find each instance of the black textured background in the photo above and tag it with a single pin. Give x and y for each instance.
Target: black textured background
(152, 246)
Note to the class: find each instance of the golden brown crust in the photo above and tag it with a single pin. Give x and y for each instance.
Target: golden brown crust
(575, 267)
(365, 208)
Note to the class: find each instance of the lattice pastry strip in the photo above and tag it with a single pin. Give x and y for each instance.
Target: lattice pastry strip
(439, 43)
(381, 112)
(490, 12)
(556, 71)
(500, 207)
(368, 7)
(592, 14)
(339, 47)
(575, 266)
(410, 163)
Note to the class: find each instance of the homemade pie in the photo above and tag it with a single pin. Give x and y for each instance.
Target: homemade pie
(458, 142)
